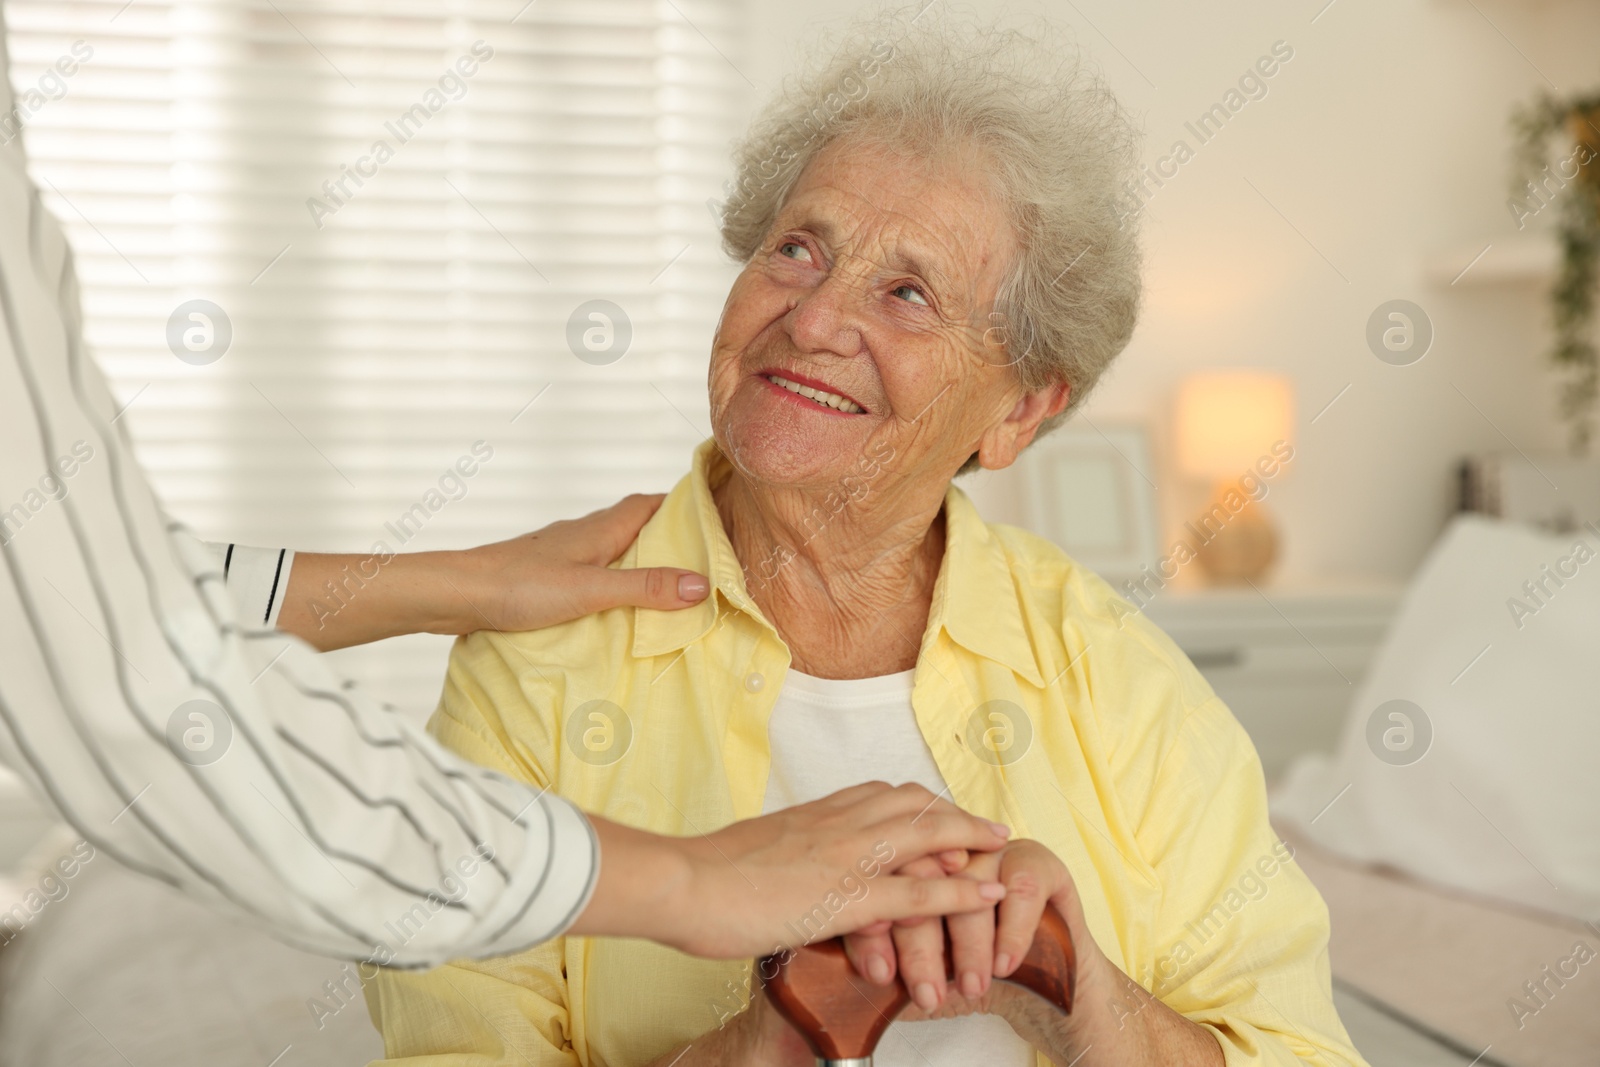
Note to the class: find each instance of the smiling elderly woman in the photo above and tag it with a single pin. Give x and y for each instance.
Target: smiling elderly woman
(934, 273)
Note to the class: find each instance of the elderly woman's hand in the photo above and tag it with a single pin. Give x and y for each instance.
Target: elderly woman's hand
(986, 944)
(1114, 1020)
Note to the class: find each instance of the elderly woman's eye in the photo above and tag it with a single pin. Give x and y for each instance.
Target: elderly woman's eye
(794, 250)
(911, 294)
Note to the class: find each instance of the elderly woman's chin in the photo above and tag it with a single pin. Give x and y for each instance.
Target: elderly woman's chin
(776, 437)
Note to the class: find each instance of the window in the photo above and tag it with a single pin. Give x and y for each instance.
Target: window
(395, 214)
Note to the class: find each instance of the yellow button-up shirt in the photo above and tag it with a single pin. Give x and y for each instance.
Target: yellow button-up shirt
(1048, 705)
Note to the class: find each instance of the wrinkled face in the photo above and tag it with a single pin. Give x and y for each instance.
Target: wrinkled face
(860, 332)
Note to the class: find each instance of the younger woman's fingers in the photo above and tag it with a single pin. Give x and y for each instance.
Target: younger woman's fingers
(937, 830)
(924, 809)
(609, 531)
(662, 588)
(906, 899)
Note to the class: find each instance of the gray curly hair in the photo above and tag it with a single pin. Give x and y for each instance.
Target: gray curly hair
(1056, 140)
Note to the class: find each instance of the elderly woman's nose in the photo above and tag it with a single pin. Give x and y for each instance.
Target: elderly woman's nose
(828, 317)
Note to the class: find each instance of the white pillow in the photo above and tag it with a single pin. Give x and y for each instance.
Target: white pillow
(1505, 797)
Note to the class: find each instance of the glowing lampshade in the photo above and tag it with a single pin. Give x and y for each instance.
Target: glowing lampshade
(1227, 420)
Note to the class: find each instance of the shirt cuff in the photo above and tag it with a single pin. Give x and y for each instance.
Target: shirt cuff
(570, 862)
(258, 580)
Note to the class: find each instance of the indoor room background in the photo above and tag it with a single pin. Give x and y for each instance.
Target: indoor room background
(374, 340)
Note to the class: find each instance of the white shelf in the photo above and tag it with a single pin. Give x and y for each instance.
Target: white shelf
(1517, 259)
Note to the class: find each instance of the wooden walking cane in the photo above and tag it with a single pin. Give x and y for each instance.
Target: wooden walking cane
(842, 1015)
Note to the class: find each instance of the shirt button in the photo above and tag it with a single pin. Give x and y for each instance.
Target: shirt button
(754, 681)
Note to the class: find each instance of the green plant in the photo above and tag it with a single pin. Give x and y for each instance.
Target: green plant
(1574, 186)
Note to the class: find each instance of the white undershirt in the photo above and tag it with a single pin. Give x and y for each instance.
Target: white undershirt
(827, 735)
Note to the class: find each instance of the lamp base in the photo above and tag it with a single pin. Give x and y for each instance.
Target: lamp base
(1236, 540)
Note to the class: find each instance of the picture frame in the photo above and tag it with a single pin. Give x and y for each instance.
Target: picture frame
(1091, 490)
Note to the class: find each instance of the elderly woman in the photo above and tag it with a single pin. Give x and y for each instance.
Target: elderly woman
(934, 274)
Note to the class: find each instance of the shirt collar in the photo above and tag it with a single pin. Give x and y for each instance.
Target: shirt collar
(686, 531)
(975, 599)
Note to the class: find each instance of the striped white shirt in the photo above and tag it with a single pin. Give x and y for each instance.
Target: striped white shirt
(257, 579)
(195, 744)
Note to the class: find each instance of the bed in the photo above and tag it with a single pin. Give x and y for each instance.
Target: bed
(125, 971)
(1422, 975)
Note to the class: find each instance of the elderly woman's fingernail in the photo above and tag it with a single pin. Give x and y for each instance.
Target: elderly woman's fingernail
(971, 985)
(992, 891)
(878, 969)
(1002, 965)
(693, 587)
(924, 995)
(1000, 828)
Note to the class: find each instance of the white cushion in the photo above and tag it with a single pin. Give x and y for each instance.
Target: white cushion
(1506, 799)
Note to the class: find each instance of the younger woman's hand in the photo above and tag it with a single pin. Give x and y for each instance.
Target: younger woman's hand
(544, 578)
(561, 572)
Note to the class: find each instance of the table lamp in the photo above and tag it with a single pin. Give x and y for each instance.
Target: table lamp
(1227, 426)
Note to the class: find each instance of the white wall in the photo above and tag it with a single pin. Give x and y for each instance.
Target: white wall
(1384, 141)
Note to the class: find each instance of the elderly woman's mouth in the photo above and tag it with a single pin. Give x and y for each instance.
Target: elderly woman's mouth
(816, 392)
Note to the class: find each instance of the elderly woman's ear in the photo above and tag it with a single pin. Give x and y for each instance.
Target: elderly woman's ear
(1003, 442)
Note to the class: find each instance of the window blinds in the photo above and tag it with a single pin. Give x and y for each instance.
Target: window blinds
(328, 248)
